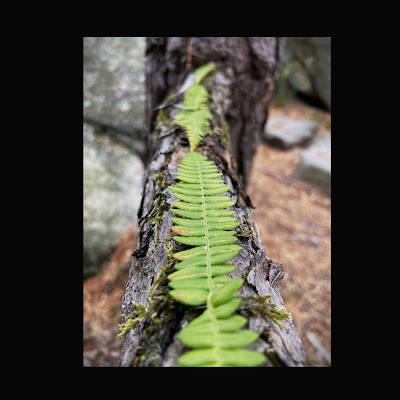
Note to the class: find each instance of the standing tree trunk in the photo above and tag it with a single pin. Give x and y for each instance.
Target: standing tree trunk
(240, 90)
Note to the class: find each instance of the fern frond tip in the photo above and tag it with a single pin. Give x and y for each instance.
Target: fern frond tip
(203, 71)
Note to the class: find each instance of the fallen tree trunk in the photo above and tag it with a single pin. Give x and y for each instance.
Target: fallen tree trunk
(151, 318)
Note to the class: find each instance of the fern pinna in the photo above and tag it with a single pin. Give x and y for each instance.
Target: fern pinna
(201, 273)
(194, 116)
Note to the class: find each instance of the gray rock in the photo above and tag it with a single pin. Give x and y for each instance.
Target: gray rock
(286, 132)
(113, 97)
(315, 164)
(112, 190)
(300, 79)
(113, 81)
(309, 61)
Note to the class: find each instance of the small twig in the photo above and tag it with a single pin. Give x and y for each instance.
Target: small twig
(276, 277)
(191, 53)
(189, 57)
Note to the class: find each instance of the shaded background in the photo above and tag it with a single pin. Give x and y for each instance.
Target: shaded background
(289, 187)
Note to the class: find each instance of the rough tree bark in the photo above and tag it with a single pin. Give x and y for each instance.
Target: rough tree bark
(250, 67)
(242, 85)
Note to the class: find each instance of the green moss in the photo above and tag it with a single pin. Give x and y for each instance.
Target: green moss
(271, 355)
(247, 270)
(157, 297)
(160, 309)
(149, 354)
(139, 313)
(163, 123)
(159, 206)
(225, 134)
(244, 231)
(159, 179)
(255, 305)
(159, 306)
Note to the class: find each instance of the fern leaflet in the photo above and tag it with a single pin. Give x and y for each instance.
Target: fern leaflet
(202, 71)
(201, 277)
(194, 115)
(195, 98)
(195, 123)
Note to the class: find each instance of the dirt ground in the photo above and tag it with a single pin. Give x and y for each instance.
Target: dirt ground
(294, 222)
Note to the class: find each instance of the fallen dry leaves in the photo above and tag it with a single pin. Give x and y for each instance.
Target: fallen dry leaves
(294, 221)
(102, 296)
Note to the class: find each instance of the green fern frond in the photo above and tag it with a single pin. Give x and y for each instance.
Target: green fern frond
(200, 277)
(194, 116)
(195, 123)
(195, 98)
(202, 71)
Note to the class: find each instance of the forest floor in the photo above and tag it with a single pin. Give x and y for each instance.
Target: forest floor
(294, 222)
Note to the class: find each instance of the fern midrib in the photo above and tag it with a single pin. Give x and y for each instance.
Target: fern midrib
(214, 326)
(203, 207)
(210, 307)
